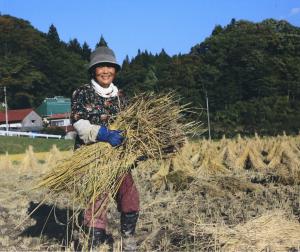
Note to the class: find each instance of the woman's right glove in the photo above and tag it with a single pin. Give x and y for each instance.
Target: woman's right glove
(113, 137)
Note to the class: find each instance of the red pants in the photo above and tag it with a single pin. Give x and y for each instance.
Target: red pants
(127, 200)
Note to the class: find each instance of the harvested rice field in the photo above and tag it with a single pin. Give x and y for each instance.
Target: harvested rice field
(239, 194)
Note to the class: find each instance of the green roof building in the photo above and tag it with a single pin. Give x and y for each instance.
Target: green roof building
(56, 105)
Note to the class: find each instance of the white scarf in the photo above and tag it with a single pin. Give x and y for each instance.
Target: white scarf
(108, 92)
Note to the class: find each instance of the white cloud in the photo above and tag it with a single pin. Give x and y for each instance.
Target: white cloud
(295, 11)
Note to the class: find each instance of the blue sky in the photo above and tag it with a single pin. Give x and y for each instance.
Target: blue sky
(129, 25)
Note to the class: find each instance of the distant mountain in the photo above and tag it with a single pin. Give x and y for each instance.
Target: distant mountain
(35, 65)
(252, 74)
(249, 71)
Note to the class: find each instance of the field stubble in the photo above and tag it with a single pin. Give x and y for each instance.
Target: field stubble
(229, 195)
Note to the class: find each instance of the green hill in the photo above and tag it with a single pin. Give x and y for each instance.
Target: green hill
(35, 65)
(250, 72)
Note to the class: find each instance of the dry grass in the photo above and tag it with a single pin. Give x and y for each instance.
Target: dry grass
(249, 208)
(273, 231)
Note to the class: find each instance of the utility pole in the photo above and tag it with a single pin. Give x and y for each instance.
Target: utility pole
(6, 116)
(207, 110)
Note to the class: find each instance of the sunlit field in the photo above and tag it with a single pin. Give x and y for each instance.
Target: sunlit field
(17, 145)
(239, 194)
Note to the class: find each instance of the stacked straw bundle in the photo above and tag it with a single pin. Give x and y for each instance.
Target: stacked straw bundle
(152, 128)
(273, 231)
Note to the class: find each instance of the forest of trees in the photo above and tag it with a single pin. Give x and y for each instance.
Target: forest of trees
(249, 71)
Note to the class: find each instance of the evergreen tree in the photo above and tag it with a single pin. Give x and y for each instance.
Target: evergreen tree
(150, 81)
(126, 63)
(74, 46)
(86, 51)
(101, 42)
(52, 34)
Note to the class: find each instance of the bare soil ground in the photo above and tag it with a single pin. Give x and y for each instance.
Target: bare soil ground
(182, 209)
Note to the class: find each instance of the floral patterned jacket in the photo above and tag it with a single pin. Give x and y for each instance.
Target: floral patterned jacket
(88, 105)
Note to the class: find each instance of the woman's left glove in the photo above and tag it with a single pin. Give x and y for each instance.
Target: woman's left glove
(113, 137)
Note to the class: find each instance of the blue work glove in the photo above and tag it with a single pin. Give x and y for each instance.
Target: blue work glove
(113, 137)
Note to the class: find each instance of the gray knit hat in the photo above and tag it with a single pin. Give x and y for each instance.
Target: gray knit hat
(103, 54)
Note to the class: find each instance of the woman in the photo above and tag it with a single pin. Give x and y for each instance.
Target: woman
(93, 104)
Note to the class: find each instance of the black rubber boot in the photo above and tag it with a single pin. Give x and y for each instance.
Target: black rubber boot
(97, 236)
(128, 224)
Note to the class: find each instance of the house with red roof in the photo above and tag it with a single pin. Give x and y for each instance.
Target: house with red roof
(56, 112)
(61, 120)
(21, 120)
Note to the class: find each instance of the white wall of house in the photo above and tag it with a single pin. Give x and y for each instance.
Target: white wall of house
(32, 120)
(60, 122)
(11, 126)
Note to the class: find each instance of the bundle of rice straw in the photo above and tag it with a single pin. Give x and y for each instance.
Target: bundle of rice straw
(273, 231)
(152, 127)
